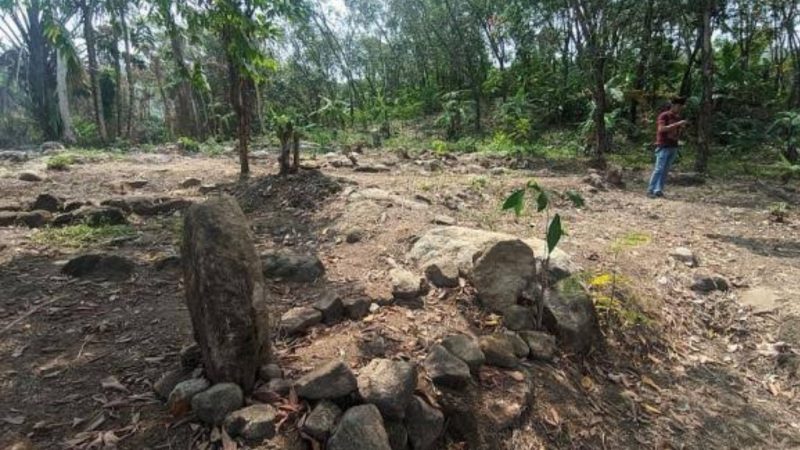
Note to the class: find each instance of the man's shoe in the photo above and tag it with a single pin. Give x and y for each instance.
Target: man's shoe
(659, 194)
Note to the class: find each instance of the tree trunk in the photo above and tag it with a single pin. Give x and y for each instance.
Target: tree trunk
(641, 67)
(40, 73)
(686, 81)
(128, 67)
(67, 135)
(600, 105)
(168, 122)
(97, 97)
(706, 107)
(241, 87)
(186, 119)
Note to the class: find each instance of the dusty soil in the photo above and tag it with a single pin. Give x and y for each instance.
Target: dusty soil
(677, 370)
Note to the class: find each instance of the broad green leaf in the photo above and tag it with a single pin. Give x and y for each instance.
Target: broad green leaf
(542, 201)
(515, 201)
(576, 198)
(554, 233)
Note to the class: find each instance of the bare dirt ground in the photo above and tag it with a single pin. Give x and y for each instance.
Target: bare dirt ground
(678, 369)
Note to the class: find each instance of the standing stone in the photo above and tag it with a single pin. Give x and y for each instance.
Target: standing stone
(213, 405)
(225, 291)
(446, 369)
(361, 428)
(424, 423)
(389, 385)
(569, 314)
(503, 273)
(466, 349)
(320, 422)
(332, 380)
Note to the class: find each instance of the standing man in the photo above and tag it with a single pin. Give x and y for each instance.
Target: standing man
(670, 126)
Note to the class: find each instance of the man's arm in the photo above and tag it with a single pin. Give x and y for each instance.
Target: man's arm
(662, 127)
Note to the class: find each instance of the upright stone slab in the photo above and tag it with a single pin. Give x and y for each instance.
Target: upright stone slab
(225, 291)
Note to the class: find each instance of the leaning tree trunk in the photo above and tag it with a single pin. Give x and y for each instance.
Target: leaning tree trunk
(67, 135)
(706, 107)
(97, 97)
(128, 67)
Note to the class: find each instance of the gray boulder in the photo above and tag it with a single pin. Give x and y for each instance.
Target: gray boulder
(466, 349)
(542, 345)
(163, 386)
(442, 274)
(332, 380)
(499, 351)
(180, 399)
(361, 428)
(388, 385)
(34, 219)
(425, 424)
(406, 285)
(253, 423)
(47, 202)
(521, 349)
(569, 314)
(320, 422)
(291, 266)
(213, 405)
(99, 266)
(446, 369)
(398, 435)
(298, 320)
(705, 284)
(331, 307)
(518, 318)
(356, 308)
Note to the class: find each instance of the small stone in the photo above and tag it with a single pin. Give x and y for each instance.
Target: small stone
(180, 399)
(320, 422)
(191, 356)
(499, 351)
(406, 285)
(269, 372)
(518, 318)
(110, 267)
(47, 202)
(353, 236)
(292, 266)
(389, 385)
(684, 255)
(356, 308)
(213, 405)
(542, 345)
(361, 428)
(446, 369)
(136, 184)
(253, 423)
(35, 219)
(705, 284)
(397, 433)
(424, 423)
(521, 349)
(444, 220)
(442, 274)
(331, 307)
(30, 177)
(332, 380)
(166, 384)
(298, 320)
(190, 183)
(466, 349)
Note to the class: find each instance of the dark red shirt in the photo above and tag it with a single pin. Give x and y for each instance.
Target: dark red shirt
(667, 138)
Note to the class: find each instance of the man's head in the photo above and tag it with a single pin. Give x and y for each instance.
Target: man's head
(677, 104)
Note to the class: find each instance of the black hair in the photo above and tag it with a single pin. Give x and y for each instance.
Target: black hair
(678, 100)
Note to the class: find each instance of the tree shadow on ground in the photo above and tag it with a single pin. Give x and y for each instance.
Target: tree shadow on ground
(772, 247)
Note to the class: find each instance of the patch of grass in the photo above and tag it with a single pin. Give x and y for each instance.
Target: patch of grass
(188, 144)
(78, 236)
(61, 161)
(211, 148)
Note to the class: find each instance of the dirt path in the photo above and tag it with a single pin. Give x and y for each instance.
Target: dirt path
(679, 369)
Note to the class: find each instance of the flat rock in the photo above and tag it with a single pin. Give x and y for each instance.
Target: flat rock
(760, 299)
(442, 274)
(425, 424)
(332, 380)
(389, 385)
(213, 405)
(466, 349)
(406, 285)
(320, 422)
(706, 284)
(297, 320)
(253, 423)
(446, 369)
(569, 314)
(331, 307)
(291, 266)
(685, 256)
(361, 428)
(30, 177)
(499, 351)
(180, 399)
(99, 266)
(518, 318)
(542, 345)
(356, 308)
